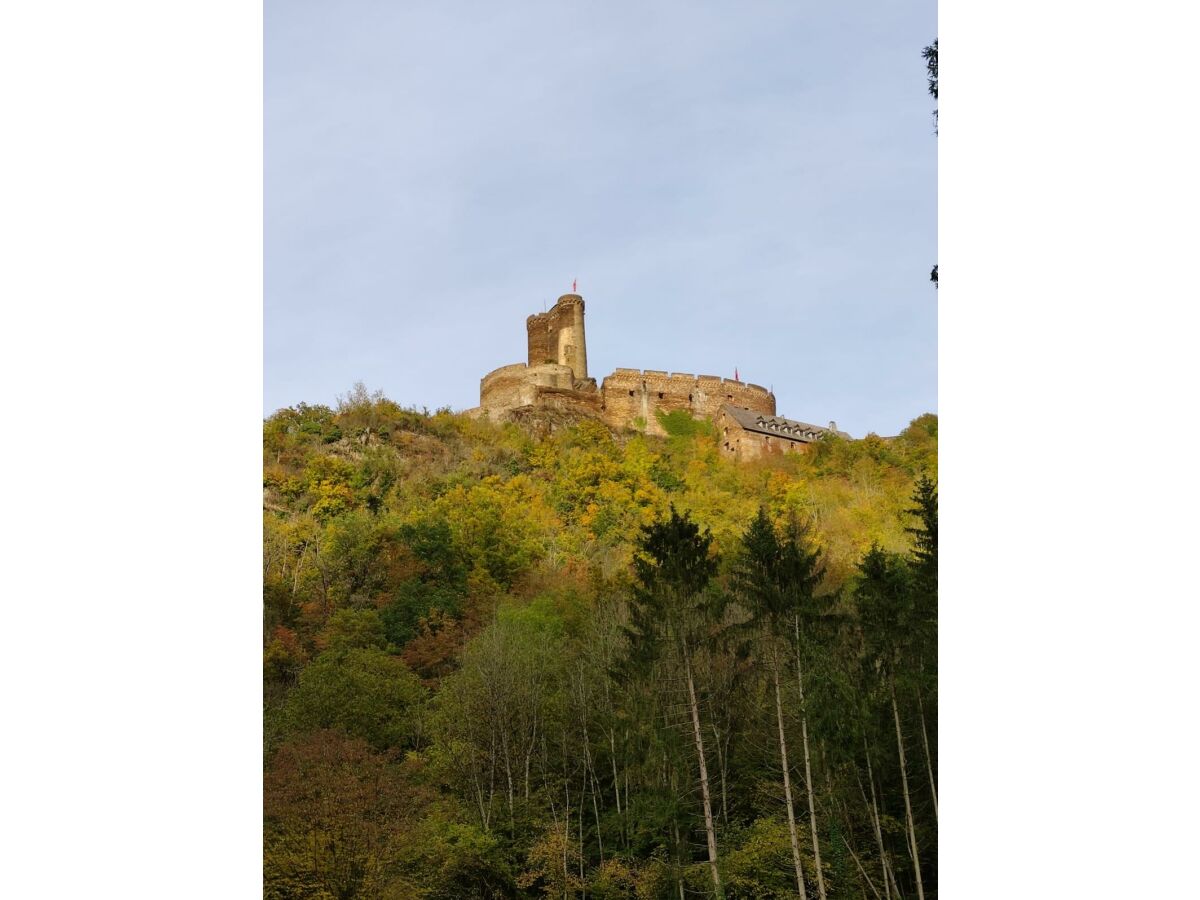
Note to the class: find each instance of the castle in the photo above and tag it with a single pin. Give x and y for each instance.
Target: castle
(555, 377)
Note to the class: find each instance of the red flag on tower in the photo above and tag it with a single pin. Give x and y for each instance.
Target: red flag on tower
(573, 285)
(735, 374)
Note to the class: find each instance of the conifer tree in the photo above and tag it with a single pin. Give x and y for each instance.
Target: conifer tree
(925, 602)
(757, 577)
(884, 596)
(800, 573)
(925, 535)
(672, 612)
(777, 579)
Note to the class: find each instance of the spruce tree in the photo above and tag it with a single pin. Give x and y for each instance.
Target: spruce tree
(674, 614)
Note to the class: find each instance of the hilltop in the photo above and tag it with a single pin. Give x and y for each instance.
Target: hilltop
(519, 503)
(407, 554)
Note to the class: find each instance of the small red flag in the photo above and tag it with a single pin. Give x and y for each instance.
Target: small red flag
(574, 283)
(735, 374)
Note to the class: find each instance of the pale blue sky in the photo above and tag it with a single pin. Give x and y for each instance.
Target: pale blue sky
(746, 185)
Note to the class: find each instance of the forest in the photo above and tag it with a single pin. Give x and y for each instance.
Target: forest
(507, 661)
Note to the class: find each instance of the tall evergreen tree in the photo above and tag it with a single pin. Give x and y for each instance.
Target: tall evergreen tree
(884, 595)
(925, 534)
(673, 612)
(777, 578)
(924, 559)
(757, 576)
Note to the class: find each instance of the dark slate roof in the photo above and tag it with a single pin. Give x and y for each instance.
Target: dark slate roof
(777, 426)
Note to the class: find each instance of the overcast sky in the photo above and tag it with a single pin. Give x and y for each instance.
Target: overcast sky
(747, 185)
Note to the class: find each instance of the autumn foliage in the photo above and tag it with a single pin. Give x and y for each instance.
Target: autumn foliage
(476, 676)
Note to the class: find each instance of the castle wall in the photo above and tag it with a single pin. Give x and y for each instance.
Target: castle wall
(558, 336)
(508, 387)
(631, 394)
(555, 379)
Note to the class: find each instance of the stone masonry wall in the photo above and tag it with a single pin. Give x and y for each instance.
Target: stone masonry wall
(517, 385)
(631, 394)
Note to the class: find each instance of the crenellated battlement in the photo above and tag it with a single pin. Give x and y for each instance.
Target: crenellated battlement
(658, 374)
(676, 379)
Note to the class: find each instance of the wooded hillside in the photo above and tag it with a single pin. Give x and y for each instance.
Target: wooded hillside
(502, 663)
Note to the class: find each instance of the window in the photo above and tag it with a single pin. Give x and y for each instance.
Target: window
(631, 393)
(660, 395)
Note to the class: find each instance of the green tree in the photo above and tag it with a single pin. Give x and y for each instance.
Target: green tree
(673, 612)
(364, 692)
(777, 578)
(351, 629)
(334, 813)
(925, 535)
(925, 606)
(884, 596)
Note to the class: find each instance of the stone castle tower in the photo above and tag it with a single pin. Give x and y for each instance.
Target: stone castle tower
(557, 336)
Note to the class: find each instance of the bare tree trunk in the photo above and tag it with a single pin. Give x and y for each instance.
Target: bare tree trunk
(529, 755)
(678, 861)
(512, 815)
(708, 816)
(787, 787)
(612, 746)
(865, 876)
(594, 783)
(928, 758)
(721, 770)
(483, 817)
(566, 831)
(812, 810)
(912, 830)
(582, 883)
(875, 822)
(625, 821)
(892, 875)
